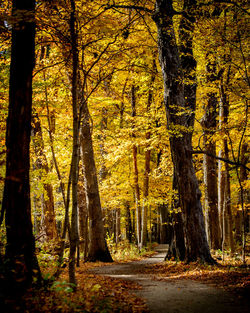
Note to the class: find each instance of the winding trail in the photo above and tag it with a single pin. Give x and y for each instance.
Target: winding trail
(174, 296)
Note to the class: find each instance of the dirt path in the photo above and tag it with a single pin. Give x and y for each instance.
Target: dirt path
(182, 296)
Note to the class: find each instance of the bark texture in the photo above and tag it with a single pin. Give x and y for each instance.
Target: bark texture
(73, 233)
(179, 99)
(177, 244)
(20, 248)
(209, 125)
(98, 250)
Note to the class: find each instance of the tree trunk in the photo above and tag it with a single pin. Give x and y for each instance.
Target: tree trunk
(136, 175)
(133, 226)
(179, 99)
(73, 234)
(177, 244)
(227, 238)
(98, 250)
(221, 187)
(210, 170)
(104, 122)
(118, 225)
(83, 214)
(128, 223)
(228, 220)
(244, 199)
(20, 248)
(147, 160)
(164, 224)
(42, 164)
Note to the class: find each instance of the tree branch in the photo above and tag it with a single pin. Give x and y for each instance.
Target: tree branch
(225, 2)
(220, 158)
(134, 7)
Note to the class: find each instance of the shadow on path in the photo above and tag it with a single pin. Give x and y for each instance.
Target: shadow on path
(174, 296)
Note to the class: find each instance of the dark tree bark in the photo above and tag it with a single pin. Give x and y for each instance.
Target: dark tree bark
(73, 233)
(209, 124)
(98, 250)
(242, 216)
(83, 215)
(164, 224)
(136, 174)
(129, 230)
(104, 125)
(227, 234)
(144, 234)
(227, 208)
(20, 248)
(117, 225)
(179, 98)
(177, 244)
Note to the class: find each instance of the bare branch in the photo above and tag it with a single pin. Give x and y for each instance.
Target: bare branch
(133, 7)
(237, 164)
(226, 2)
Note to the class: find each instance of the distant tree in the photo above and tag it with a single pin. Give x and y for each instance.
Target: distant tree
(209, 124)
(48, 221)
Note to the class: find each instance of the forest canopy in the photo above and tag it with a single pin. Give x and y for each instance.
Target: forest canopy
(129, 122)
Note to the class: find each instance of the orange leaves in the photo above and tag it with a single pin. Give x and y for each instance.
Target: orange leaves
(228, 276)
(94, 294)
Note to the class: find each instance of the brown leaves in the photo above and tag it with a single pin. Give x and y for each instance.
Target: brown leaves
(228, 276)
(94, 293)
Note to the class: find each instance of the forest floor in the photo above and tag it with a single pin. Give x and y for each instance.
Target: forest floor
(145, 285)
(176, 288)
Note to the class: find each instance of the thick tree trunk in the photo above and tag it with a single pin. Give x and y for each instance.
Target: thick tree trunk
(176, 249)
(98, 250)
(164, 224)
(49, 220)
(20, 248)
(177, 244)
(179, 101)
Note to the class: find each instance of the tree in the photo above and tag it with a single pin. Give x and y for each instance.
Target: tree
(48, 222)
(176, 248)
(136, 178)
(179, 99)
(209, 124)
(20, 248)
(98, 250)
(147, 158)
(73, 231)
